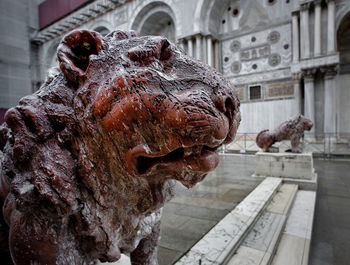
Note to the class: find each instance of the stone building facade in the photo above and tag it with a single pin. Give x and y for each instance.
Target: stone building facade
(284, 56)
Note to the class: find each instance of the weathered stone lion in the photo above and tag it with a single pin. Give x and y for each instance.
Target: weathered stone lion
(292, 130)
(90, 158)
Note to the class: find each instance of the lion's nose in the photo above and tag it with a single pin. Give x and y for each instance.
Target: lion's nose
(225, 105)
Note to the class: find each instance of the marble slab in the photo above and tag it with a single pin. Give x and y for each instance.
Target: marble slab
(216, 246)
(285, 165)
(249, 256)
(301, 216)
(293, 250)
(265, 232)
(282, 201)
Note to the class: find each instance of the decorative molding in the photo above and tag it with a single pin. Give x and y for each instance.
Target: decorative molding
(76, 19)
(309, 75)
(297, 77)
(304, 7)
(331, 72)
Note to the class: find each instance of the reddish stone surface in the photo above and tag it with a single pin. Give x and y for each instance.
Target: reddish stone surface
(90, 158)
(292, 130)
(52, 10)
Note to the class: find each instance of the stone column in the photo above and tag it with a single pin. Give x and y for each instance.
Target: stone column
(305, 33)
(181, 44)
(331, 27)
(216, 54)
(198, 46)
(209, 50)
(295, 28)
(297, 93)
(317, 37)
(190, 47)
(330, 101)
(309, 96)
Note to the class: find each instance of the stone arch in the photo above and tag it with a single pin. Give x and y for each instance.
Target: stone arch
(102, 27)
(102, 30)
(51, 55)
(156, 18)
(342, 11)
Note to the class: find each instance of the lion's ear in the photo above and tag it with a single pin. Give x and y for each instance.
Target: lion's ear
(74, 51)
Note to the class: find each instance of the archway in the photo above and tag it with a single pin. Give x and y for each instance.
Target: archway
(102, 30)
(156, 19)
(343, 38)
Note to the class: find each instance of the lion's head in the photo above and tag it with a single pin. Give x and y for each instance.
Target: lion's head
(104, 137)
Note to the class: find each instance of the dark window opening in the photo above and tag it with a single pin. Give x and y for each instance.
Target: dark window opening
(255, 92)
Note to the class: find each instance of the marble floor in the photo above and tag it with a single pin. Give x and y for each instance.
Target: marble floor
(192, 213)
(330, 243)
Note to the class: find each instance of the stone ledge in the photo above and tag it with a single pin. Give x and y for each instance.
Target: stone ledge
(220, 243)
(285, 165)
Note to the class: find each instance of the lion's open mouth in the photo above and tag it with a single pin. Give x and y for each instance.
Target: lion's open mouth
(201, 154)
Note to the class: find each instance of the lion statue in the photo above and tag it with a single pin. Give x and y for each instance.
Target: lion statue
(91, 157)
(292, 129)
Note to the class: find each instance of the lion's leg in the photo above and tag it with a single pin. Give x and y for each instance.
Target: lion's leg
(146, 251)
(272, 149)
(39, 239)
(295, 144)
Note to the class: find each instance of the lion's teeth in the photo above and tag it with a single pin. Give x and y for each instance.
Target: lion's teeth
(187, 151)
(197, 149)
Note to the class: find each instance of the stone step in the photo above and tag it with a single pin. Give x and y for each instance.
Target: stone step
(260, 244)
(294, 247)
(217, 246)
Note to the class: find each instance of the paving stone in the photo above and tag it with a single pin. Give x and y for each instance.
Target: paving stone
(300, 220)
(195, 211)
(204, 202)
(283, 199)
(292, 250)
(265, 232)
(249, 256)
(216, 245)
(168, 256)
(183, 226)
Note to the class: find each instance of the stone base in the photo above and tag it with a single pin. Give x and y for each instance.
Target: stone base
(291, 167)
(285, 165)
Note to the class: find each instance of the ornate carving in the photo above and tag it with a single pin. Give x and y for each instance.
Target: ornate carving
(90, 158)
(330, 72)
(292, 130)
(235, 46)
(279, 89)
(273, 37)
(274, 59)
(309, 75)
(297, 77)
(255, 53)
(236, 67)
(304, 7)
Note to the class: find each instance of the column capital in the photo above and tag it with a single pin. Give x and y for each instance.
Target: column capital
(330, 72)
(296, 77)
(309, 75)
(295, 13)
(330, 1)
(304, 7)
(317, 2)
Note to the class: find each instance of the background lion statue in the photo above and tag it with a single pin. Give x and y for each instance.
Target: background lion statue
(292, 129)
(90, 158)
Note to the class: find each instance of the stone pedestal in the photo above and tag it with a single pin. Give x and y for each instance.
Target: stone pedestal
(292, 167)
